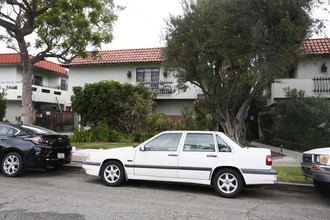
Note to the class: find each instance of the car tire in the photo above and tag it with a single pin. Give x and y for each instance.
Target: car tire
(322, 187)
(53, 168)
(112, 173)
(12, 165)
(227, 182)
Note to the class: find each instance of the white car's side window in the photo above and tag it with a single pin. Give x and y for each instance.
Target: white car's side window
(223, 146)
(165, 142)
(199, 142)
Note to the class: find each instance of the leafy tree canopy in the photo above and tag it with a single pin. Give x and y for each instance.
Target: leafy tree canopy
(232, 50)
(53, 28)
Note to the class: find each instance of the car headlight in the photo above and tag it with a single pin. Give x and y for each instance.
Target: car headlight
(89, 157)
(321, 159)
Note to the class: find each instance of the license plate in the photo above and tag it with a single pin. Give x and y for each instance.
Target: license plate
(60, 155)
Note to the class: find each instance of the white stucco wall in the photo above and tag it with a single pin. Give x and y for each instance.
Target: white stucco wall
(172, 107)
(80, 75)
(311, 68)
(8, 74)
(13, 110)
(305, 72)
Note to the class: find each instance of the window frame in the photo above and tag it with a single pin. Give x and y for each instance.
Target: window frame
(143, 77)
(144, 148)
(199, 151)
(216, 139)
(16, 131)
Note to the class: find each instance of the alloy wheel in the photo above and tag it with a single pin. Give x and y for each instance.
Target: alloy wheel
(227, 183)
(111, 173)
(11, 164)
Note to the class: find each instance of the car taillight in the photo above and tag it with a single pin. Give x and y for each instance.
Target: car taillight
(269, 160)
(37, 140)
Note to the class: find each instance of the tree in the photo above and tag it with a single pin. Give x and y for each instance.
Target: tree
(3, 104)
(55, 28)
(233, 49)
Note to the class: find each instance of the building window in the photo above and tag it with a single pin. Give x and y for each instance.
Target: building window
(37, 80)
(147, 74)
(63, 84)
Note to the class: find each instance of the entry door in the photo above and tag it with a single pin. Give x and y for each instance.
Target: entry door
(158, 157)
(198, 156)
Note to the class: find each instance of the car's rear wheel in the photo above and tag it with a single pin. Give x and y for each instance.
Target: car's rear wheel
(12, 165)
(112, 173)
(227, 182)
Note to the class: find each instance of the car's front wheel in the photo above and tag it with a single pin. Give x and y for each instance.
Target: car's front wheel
(227, 182)
(322, 187)
(12, 165)
(112, 173)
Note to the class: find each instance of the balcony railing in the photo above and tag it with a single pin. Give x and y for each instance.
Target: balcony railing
(59, 87)
(159, 87)
(321, 84)
(47, 94)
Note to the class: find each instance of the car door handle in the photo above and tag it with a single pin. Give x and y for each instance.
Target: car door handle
(211, 155)
(173, 155)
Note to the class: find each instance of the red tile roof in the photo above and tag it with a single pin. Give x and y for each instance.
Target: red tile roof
(145, 55)
(14, 58)
(317, 46)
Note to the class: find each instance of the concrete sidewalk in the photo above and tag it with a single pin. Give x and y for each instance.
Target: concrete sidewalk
(290, 158)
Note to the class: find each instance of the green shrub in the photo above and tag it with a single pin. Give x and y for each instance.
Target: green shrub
(83, 136)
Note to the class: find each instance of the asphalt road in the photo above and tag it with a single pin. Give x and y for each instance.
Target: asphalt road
(68, 194)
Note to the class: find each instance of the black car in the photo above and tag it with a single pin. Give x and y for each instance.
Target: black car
(27, 146)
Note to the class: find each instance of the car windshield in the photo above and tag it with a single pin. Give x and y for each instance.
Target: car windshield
(37, 129)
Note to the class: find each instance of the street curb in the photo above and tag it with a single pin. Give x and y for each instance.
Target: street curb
(280, 186)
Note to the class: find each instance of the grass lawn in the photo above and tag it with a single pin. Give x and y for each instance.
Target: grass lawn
(98, 145)
(291, 175)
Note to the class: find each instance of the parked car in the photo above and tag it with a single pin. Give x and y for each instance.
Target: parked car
(23, 146)
(200, 157)
(316, 165)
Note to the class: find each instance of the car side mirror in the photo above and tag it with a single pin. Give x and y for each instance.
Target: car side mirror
(142, 148)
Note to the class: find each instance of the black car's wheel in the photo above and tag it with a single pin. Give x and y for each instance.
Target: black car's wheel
(53, 168)
(112, 173)
(227, 182)
(322, 187)
(12, 165)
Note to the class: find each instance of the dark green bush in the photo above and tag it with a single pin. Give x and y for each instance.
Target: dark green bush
(266, 121)
(298, 122)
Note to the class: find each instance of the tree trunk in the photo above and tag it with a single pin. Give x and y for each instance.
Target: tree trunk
(27, 108)
(234, 130)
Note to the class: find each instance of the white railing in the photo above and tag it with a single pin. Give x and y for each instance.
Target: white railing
(39, 93)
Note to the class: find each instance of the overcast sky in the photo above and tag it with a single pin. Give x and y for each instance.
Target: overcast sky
(141, 23)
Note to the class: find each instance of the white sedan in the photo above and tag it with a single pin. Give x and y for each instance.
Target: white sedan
(200, 157)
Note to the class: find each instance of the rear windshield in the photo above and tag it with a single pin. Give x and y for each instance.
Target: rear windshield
(37, 129)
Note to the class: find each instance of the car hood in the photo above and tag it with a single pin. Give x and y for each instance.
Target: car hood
(324, 150)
